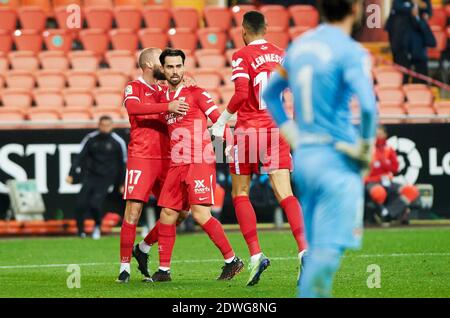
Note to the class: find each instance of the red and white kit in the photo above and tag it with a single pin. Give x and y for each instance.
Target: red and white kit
(191, 178)
(149, 149)
(257, 140)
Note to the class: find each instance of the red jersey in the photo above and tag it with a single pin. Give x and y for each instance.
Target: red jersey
(384, 165)
(149, 136)
(255, 62)
(190, 140)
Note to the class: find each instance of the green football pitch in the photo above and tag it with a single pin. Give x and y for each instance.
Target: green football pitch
(412, 262)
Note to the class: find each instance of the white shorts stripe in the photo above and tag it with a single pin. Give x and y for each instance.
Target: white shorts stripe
(210, 184)
(210, 110)
(236, 160)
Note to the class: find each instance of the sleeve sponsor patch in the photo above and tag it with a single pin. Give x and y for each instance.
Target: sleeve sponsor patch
(128, 90)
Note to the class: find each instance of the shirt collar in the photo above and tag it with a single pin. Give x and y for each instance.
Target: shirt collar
(257, 42)
(141, 79)
(177, 92)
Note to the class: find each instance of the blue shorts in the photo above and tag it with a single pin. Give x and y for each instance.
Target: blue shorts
(330, 188)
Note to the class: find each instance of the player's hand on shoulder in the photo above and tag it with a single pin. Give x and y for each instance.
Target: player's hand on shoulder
(178, 107)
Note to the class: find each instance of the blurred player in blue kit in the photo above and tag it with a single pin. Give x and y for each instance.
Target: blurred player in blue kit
(324, 68)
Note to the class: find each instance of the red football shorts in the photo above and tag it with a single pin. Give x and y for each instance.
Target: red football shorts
(144, 176)
(260, 151)
(189, 184)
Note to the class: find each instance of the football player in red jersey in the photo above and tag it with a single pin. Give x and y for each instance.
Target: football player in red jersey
(191, 178)
(148, 157)
(257, 141)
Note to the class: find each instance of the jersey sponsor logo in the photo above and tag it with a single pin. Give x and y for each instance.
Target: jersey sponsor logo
(128, 90)
(200, 187)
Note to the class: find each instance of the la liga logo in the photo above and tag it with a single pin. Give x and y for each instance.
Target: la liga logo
(409, 158)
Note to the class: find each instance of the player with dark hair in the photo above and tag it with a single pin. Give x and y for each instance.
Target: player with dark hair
(191, 178)
(324, 68)
(252, 66)
(149, 157)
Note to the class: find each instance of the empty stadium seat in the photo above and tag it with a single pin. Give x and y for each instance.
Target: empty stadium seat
(51, 79)
(99, 17)
(298, 30)
(16, 97)
(95, 40)
(156, 17)
(4, 63)
(217, 17)
(71, 114)
(128, 17)
(102, 3)
(442, 107)
(6, 41)
(183, 39)
(124, 39)
(32, 18)
(121, 60)
(304, 15)
(108, 97)
(276, 15)
(438, 18)
(190, 62)
(8, 19)
(185, 17)
(226, 73)
(20, 79)
(28, 40)
(23, 60)
(112, 78)
(13, 4)
(42, 114)
(441, 41)
(10, 114)
(239, 11)
(388, 78)
(390, 95)
(419, 110)
(226, 92)
(212, 38)
(58, 39)
(83, 60)
(81, 79)
(153, 38)
(54, 60)
(45, 5)
(419, 97)
(207, 78)
(278, 37)
(210, 59)
(75, 97)
(65, 3)
(236, 36)
(48, 97)
(113, 112)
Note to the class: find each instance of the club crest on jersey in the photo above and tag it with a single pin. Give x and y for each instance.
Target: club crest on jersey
(128, 90)
(263, 47)
(130, 189)
(182, 99)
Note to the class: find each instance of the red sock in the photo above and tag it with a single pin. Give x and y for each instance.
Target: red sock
(167, 235)
(217, 235)
(127, 237)
(152, 237)
(247, 222)
(293, 211)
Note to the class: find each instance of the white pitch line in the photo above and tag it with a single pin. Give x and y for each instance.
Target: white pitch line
(220, 260)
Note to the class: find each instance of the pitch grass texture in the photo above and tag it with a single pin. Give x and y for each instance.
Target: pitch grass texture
(414, 262)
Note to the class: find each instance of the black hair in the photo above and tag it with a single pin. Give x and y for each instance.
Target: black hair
(171, 52)
(254, 21)
(336, 10)
(104, 117)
